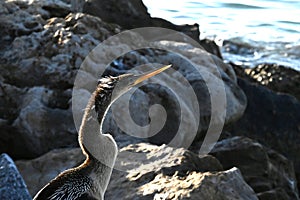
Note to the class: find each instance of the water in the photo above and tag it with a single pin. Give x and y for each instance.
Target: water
(271, 29)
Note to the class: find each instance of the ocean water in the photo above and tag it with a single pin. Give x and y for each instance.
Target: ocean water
(269, 31)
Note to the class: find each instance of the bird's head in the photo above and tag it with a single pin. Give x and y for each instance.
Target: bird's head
(128, 81)
(111, 88)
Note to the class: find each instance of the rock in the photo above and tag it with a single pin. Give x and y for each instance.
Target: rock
(239, 47)
(276, 194)
(35, 120)
(224, 185)
(145, 171)
(266, 171)
(163, 172)
(272, 119)
(211, 47)
(12, 186)
(133, 14)
(275, 77)
(56, 51)
(42, 48)
(38, 124)
(142, 158)
(39, 171)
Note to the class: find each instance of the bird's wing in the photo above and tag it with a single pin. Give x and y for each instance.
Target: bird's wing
(66, 188)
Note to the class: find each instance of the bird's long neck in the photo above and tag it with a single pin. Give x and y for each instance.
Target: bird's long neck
(92, 121)
(100, 149)
(89, 125)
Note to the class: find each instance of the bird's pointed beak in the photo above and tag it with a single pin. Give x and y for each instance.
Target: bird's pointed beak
(145, 76)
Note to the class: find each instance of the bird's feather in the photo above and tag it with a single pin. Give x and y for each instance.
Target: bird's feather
(70, 185)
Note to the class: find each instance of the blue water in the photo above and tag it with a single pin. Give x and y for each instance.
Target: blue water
(270, 28)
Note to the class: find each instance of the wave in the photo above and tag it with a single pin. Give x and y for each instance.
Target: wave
(240, 6)
(289, 22)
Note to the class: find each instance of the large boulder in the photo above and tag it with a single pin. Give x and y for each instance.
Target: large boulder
(133, 14)
(278, 78)
(266, 171)
(39, 171)
(12, 185)
(42, 48)
(272, 119)
(223, 185)
(163, 172)
(42, 117)
(145, 171)
(130, 14)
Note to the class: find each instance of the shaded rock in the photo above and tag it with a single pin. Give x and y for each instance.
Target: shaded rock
(12, 186)
(141, 159)
(56, 51)
(272, 119)
(275, 77)
(211, 47)
(38, 121)
(276, 194)
(145, 171)
(42, 48)
(239, 47)
(17, 20)
(30, 114)
(133, 14)
(266, 171)
(38, 172)
(163, 172)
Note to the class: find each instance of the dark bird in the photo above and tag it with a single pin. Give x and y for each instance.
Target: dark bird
(90, 179)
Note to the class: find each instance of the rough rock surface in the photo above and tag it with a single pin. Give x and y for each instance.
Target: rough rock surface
(133, 14)
(272, 119)
(43, 47)
(145, 171)
(275, 77)
(174, 174)
(223, 185)
(12, 185)
(264, 170)
(39, 171)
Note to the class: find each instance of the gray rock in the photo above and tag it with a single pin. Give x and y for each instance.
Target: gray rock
(12, 186)
(133, 14)
(223, 185)
(164, 172)
(43, 46)
(266, 171)
(271, 118)
(276, 77)
(39, 123)
(276, 194)
(39, 171)
(145, 171)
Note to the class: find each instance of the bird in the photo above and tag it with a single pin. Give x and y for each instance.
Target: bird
(90, 179)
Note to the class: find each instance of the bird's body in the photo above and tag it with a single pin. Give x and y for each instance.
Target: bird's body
(72, 184)
(89, 180)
